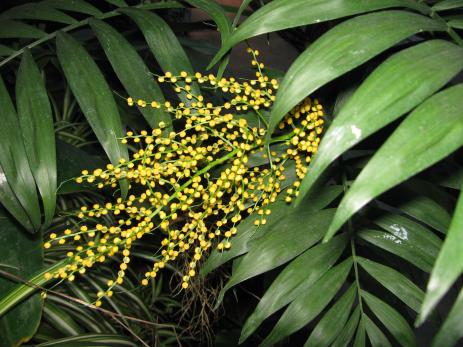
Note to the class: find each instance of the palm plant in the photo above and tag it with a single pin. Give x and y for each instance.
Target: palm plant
(377, 214)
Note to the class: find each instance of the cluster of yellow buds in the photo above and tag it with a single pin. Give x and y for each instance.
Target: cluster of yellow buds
(193, 186)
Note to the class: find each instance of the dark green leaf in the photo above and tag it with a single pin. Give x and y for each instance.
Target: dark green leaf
(302, 230)
(431, 132)
(15, 167)
(347, 333)
(91, 340)
(452, 329)
(456, 23)
(94, 97)
(37, 11)
(397, 246)
(333, 321)
(376, 336)
(23, 254)
(295, 279)
(449, 263)
(309, 304)
(36, 123)
(164, 45)
(284, 14)
(15, 29)
(4, 50)
(395, 282)
(118, 3)
(132, 72)
(392, 320)
(427, 211)
(74, 5)
(394, 88)
(424, 241)
(359, 340)
(315, 201)
(217, 13)
(60, 320)
(447, 5)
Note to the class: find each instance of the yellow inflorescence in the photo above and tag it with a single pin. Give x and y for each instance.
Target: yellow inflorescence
(196, 184)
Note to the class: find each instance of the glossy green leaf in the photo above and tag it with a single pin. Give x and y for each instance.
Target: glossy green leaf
(164, 45)
(347, 333)
(333, 321)
(343, 48)
(22, 252)
(217, 13)
(447, 5)
(295, 279)
(392, 320)
(431, 132)
(15, 167)
(391, 90)
(428, 211)
(11, 203)
(36, 123)
(395, 282)
(37, 11)
(376, 336)
(132, 72)
(244, 5)
(397, 246)
(424, 241)
(302, 230)
(284, 14)
(309, 304)
(452, 329)
(315, 201)
(80, 6)
(91, 340)
(94, 97)
(15, 29)
(449, 263)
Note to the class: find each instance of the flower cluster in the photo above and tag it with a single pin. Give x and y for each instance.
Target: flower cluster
(195, 184)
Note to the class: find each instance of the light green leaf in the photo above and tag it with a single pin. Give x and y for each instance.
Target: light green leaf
(22, 252)
(452, 329)
(347, 333)
(36, 123)
(376, 336)
(74, 5)
(37, 11)
(132, 72)
(343, 48)
(397, 246)
(14, 29)
(431, 132)
(60, 320)
(302, 230)
(94, 97)
(333, 321)
(447, 5)
(449, 263)
(164, 45)
(309, 304)
(456, 23)
(284, 14)
(395, 282)
(17, 174)
(392, 320)
(295, 279)
(394, 88)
